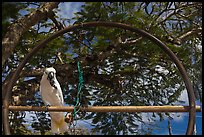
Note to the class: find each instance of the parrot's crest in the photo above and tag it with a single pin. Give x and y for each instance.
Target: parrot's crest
(51, 69)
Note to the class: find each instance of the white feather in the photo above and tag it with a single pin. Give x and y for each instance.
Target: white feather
(53, 96)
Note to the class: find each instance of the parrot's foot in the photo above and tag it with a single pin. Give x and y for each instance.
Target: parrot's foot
(47, 107)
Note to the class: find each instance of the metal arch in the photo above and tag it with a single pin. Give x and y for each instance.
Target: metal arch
(42, 44)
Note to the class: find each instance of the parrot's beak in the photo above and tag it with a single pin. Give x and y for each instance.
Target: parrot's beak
(50, 75)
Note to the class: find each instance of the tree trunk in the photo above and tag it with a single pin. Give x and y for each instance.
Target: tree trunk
(16, 30)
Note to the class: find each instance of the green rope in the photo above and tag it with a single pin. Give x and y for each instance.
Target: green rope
(80, 85)
(79, 93)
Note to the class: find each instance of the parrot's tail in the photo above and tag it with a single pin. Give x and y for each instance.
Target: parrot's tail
(58, 124)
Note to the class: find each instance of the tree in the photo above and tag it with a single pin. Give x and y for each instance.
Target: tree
(119, 67)
(11, 38)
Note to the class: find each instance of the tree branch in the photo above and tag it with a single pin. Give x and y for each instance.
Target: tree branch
(16, 30)
(130, 41)
(58, 25)
(185, 35)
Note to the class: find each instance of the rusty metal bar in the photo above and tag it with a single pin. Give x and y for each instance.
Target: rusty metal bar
(143, 33)
(107, 108)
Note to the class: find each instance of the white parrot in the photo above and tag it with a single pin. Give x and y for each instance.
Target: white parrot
(51, 93)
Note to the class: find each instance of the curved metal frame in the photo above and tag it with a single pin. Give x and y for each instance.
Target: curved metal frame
(43, 43)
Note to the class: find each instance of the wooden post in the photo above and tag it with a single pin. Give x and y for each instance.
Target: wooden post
(107, 108)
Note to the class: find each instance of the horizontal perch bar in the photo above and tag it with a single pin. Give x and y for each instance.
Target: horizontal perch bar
(107, 108)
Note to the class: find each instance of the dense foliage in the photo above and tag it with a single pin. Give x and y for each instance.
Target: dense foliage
(120, 67)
